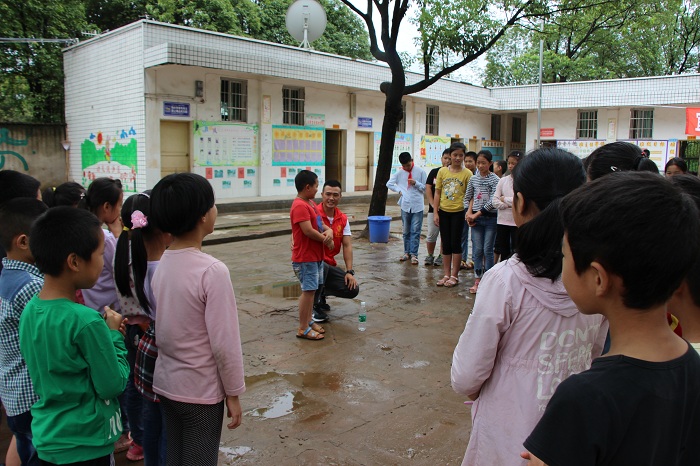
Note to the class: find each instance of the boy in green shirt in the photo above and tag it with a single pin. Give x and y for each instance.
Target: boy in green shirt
(76, 357)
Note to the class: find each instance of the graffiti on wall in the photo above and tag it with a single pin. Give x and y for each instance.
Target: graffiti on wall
(112, 156)
(5, 138)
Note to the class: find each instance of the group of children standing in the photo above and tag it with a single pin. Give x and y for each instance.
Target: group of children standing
(463, 195)
(91, 374)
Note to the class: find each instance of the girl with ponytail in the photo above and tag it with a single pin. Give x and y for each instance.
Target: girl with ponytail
(524, 335)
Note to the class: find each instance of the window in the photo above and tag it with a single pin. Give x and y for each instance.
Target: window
(516, 130)
(432, 120)
(401, 127)
(234, 100)
(293, 105)
(641, 123)
(495, 127)
(587, 124)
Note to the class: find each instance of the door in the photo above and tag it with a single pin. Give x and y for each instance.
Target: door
(334, 155)
(362, 146)
(174, 147)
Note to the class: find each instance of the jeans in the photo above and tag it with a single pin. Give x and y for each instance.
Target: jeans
(412, 224)
(465, 242)
(483, 238)
(21, 427)
(154, 451)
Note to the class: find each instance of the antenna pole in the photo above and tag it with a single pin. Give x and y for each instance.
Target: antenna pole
(305, 43)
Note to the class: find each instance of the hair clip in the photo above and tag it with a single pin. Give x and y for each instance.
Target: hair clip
(82, 195)
(143, 194)
(53, 188)
(614, 169)
(125, 228)
(138, 220)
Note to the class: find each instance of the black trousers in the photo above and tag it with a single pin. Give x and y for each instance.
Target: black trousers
(334, 285)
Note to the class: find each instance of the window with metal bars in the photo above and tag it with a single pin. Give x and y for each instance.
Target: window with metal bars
(641, 123)
(432, 120)
(401, 127)
(293, 105)
(587, 124)
(234, 100)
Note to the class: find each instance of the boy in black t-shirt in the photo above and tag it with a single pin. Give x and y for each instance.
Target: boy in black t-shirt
(640, 403)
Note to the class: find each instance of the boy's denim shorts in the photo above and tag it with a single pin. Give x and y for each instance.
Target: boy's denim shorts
(310, 274)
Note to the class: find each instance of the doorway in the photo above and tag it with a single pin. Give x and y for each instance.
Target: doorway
(174, 147)
(362, 156)
(334, 155)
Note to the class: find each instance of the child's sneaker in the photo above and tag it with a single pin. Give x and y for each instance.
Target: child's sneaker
(429, 260)
(123, 443)
(438, 261)
(135, 452)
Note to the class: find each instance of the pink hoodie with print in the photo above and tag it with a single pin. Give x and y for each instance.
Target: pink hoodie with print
(522, 339)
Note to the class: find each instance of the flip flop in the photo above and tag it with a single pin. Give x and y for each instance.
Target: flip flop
(453, 281)
(316, 328)
(309, 334)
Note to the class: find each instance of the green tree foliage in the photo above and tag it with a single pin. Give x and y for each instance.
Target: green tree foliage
(31, 81)
(617, 39)
(344, 34)
(32, 74)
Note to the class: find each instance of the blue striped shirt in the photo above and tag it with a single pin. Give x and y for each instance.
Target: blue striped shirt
(19, 282)
(481, 189)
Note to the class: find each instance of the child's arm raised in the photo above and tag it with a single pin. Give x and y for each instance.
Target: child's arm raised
(102, 345)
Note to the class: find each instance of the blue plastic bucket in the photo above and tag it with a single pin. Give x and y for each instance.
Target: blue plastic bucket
(379, 229)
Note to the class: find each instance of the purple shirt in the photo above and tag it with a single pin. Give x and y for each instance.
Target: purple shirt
(104, 292)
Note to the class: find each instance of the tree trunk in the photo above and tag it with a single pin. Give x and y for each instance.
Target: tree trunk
(392, 116)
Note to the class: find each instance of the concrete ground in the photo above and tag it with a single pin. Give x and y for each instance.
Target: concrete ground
(379, 397)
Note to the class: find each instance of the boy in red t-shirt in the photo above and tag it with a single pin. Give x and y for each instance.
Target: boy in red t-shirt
(308, 239)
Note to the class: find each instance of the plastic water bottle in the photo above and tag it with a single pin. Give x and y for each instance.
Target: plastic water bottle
(362, 318)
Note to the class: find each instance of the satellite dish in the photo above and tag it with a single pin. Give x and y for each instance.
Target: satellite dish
(306, 21)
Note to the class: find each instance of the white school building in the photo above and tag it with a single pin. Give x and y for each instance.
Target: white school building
(150, 99)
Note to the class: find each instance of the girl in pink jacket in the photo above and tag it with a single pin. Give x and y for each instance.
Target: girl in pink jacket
(524, 335)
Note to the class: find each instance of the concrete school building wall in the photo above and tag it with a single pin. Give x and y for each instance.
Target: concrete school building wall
(145, 100)
(35, 149)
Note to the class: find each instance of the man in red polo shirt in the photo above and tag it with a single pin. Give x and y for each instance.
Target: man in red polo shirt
(338, 282)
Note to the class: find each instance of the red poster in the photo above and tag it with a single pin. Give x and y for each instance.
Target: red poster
(692, 121)
(209, 173)
(241, 172)
(546, 132)
(283, 172)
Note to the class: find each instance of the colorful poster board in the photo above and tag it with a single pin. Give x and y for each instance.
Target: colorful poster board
(298, 146)
(222, 144)
(659, 151)
(431, 148)
(403, 142)
(580, 148)
(110, 155)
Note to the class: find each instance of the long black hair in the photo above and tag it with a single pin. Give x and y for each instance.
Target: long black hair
(543, 178)
(100, 191)
(69, 193)
(136, 213)
(618, 156)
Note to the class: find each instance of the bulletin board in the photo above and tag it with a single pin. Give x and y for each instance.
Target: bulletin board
(403, 142)
(221, 144)
(580, 148)
(431, 149)
(298, 146)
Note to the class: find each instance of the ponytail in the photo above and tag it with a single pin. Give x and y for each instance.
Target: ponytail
(538, 242)
(543, 178)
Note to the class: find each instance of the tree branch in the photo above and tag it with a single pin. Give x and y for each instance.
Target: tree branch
(367, 17)
(427, 82)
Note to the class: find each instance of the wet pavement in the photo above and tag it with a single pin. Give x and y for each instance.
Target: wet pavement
(379, 397)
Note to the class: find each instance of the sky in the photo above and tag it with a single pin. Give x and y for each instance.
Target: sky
(406, 43)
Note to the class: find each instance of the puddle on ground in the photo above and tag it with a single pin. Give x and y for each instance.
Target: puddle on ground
(415, 365)
(281, 406)
(332, 381)
(234, 452)
(277, 290)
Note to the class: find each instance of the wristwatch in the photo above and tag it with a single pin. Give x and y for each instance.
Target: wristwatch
(350, 271)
